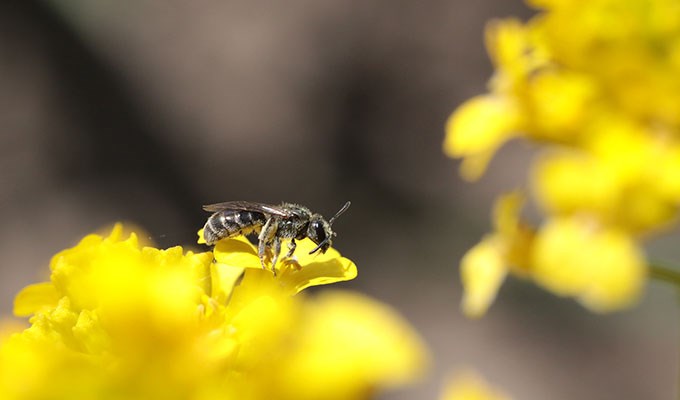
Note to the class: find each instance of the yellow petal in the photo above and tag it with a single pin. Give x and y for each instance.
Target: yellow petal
(624, 145)
(473, 166)
(506, 213)
(518, 54)
(316, 269)
(482, 271)
(567, 182)
(668, 174)
(347, 341)
(299, 272)
(223, 280)
(478, 128)
(201, 239)
(236, 252)
(89, 332)
(261, 324)
(470, 386)
(34, 298)
(561, 102)
(601, 267)
(508, 45)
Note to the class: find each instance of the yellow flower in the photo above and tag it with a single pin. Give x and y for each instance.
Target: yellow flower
(120, 321)
(302, 271)
(348, 348)
(480, 126)
(597, 86)
(600, 266)
(477, 129)
(485, 266)
(623, 175)
(470, 386)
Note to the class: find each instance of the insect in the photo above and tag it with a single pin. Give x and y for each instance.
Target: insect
(272, 223)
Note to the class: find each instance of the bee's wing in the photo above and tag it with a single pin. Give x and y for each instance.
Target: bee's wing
(247, 206)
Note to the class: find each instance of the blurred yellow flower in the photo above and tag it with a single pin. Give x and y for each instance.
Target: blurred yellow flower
(476, 131)
(600, 266)
(597, 86)
(470, 386)
(121, 321)
(485, 266)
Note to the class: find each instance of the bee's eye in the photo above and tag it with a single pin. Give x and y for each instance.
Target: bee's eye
(317, 230)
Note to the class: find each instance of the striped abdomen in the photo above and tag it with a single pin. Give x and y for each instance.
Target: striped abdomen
(230, 223)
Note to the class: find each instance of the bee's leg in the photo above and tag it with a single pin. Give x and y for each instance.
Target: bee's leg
(264, 238)
(261, 252)
(292, 261)
(277, 250)
(291, 248)
(266, 231)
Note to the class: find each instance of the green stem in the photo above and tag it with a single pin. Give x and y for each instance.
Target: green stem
(665, 274)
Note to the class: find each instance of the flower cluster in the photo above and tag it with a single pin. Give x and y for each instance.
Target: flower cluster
(597, 86)
(122, 321)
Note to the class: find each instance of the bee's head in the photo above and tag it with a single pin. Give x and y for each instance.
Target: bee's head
(319, 230)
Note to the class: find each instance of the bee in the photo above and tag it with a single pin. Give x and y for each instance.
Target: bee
(272, 224)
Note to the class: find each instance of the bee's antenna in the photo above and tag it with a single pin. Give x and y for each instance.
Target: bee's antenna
(337, 214)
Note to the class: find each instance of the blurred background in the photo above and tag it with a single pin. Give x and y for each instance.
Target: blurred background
(143, 111)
